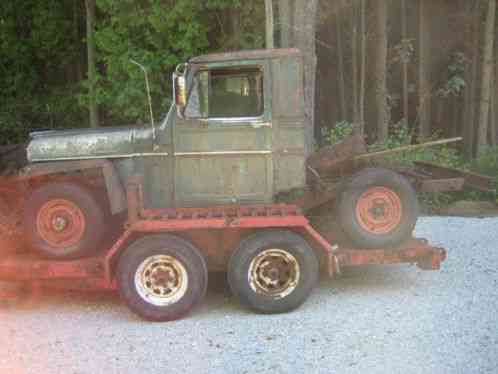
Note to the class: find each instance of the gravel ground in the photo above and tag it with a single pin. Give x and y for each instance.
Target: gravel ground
(376, 320)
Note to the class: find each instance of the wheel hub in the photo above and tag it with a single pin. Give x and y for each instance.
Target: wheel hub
(161, 280)
(379, 210)
(61, 223)
(274, 273)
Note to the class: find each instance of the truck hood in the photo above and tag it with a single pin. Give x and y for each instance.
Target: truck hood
(110, 142)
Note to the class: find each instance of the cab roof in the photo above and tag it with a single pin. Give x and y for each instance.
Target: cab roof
(257, 54)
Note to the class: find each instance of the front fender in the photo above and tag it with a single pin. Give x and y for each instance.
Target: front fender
(114, 188)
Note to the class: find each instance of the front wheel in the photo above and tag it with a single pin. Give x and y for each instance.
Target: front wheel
(64, 221)
(273, 271)
(162, 277)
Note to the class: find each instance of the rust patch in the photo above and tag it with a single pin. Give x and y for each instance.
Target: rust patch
(339, 156)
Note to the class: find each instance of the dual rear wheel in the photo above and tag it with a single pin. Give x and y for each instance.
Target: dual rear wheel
(162, 277)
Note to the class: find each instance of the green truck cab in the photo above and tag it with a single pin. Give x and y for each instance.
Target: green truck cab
(234, 136)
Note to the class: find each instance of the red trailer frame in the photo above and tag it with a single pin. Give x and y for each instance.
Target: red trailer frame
(98, 272)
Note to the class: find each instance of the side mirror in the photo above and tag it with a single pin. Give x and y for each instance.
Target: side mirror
(180, 89)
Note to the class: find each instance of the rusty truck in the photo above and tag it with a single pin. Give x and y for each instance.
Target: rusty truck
(222, 183)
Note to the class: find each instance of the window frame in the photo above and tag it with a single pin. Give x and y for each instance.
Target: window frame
(235, 119)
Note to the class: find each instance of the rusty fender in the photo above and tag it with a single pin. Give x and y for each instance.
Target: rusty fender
(114, 188)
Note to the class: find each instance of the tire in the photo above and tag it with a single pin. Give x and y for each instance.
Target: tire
(180, 259)
(256, 288)
(64, 221)
(378, 209)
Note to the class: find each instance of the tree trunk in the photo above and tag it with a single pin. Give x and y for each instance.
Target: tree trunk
(92, 71)
(424, 90)
(493, 123)
(363, 32)
(340, 67)
(285, 22)
(354, 63)
(305, 16)
(470, 93)
(78, 75)
(269, 24)
(487, 72)
(404, 37)
(381, 71)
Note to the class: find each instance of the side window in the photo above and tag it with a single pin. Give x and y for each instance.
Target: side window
(226, 93)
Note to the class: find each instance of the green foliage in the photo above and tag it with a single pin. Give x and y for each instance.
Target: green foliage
(159, 34)
(401, 136)
(43, 56)
(339, 132)
(486, 163)
(36, 52)
(455, 84)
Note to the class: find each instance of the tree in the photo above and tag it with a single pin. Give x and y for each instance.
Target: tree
(424, 88)
(363, 67)
(404, 37)
(471, 77)
(305, 18)
(486, 77)
(285, 20)
(492, 121)
(92, 63)
(340, 65)
(381, 71)
(297, 20)
(354, 63)
(269, 24)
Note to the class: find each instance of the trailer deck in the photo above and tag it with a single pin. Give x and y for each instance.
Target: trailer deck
(214, 230)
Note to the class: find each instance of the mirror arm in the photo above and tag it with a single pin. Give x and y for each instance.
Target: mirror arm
(147, 86)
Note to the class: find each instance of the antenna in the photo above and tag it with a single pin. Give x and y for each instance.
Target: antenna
(148, 97)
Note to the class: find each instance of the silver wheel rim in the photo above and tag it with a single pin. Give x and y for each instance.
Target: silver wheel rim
(274, 273)
(161, 280)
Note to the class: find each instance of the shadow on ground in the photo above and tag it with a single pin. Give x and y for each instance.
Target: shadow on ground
(357, 280)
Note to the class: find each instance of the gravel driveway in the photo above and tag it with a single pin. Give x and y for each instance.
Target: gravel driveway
(373, 320)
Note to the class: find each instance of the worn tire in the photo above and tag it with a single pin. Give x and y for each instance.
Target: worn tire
(378, 209)
(64, 221)
(250, 258)
(176, 256)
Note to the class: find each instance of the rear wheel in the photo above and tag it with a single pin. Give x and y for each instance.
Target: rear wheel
(162, 277)
(378, 208)
(273, 271)
(64, 221)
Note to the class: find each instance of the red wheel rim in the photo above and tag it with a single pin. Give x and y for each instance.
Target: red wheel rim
(60, 223)
(379, 210)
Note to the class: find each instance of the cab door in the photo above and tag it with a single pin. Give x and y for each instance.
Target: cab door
(223, 146)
